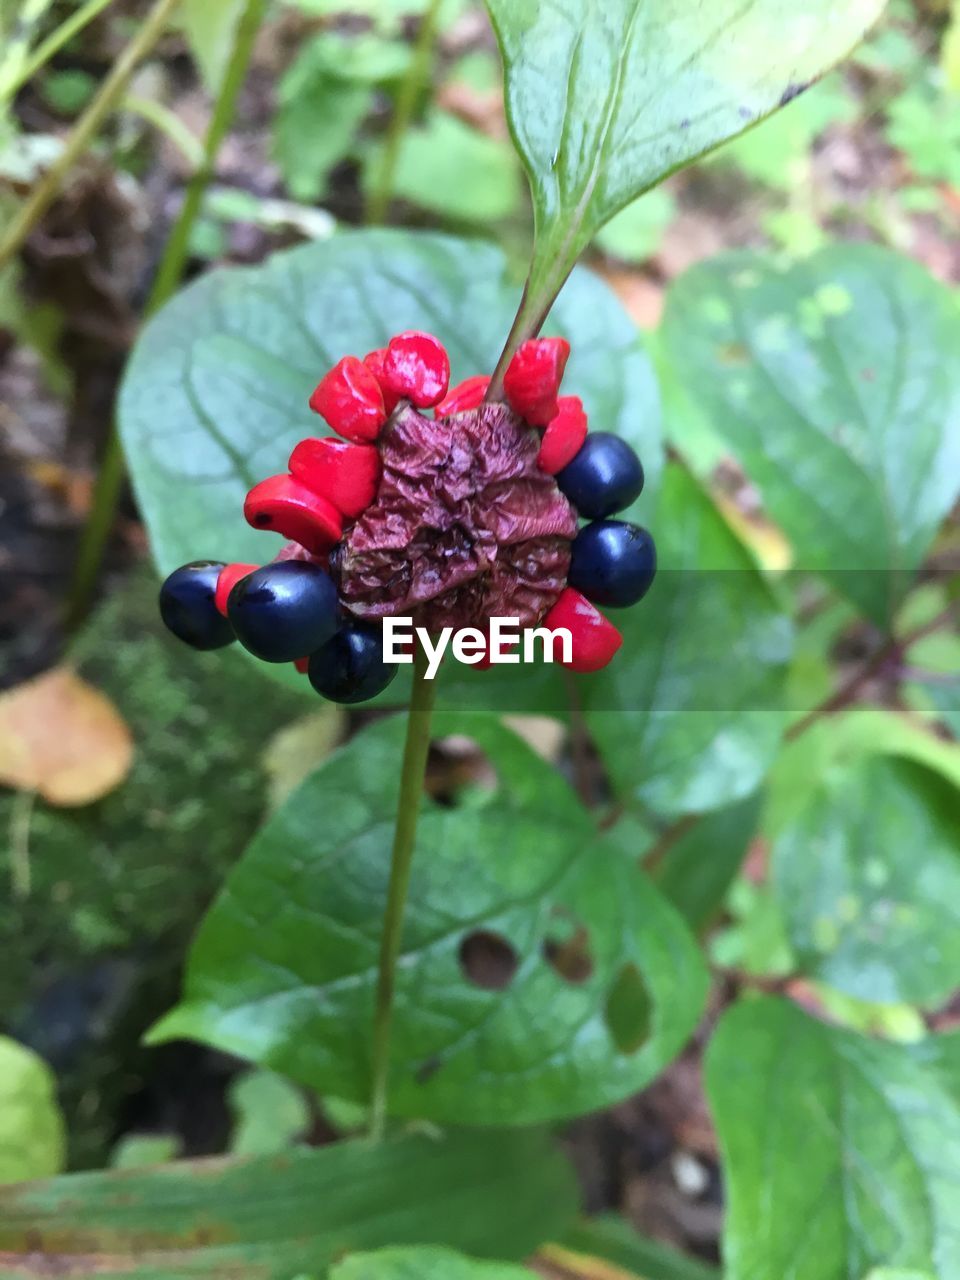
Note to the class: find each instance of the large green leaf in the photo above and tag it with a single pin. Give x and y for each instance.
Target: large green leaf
(867, 875)
(541, 975)
(273, 1218)
(215, 395)
(690, 713)
(834, 384)
(429, 1263)
(606, 97)
(31, 1127)
(840, 1153)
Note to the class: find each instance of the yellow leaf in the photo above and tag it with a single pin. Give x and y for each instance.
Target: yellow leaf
(62, 738)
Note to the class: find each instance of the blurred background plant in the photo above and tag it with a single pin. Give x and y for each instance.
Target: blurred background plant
(131, 119)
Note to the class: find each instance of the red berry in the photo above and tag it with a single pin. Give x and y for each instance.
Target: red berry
(230, 575)
(533, 378)
(464, 396)
(417, 368)
(302, 664)
(376, 363)
(594, 639)
(350, 400)
(345, 474)
(284, 505)
(564, 436)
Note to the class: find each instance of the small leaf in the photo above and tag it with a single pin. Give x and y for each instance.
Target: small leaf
(867, 876)
(423, 1264)
(61, 737)
(606, 98)
(32, 1139)
(276, 1217)
(209, 27)
(491, 1024)
(270, 1114)
(316, 123)
(853, 1160)
(833, 385)
(455, 171)
(297, 749)
(635, 233)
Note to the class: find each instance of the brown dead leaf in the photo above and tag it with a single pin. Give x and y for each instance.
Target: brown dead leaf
(483, 109)
(641, 296)
(62, 738)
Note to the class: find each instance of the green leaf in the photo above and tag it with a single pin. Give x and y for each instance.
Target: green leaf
(833, 384)
(31, 1128)
(423, 1264)
(209, 27)
(215, 395)
(455, 171)
(698, 869)
(272, 1218)
(270, 1114)
(611, 1238)
(868, 879)
(607, 97)
(541, 975)
(690, 714)
(317, 120)
(142, 1150)
(840, 1153)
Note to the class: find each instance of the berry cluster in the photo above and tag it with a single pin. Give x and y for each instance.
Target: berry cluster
(445, 517)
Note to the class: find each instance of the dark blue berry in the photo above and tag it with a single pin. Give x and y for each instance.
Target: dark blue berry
(603, 478)
(350, 667)
(187, 606)
(284, 610)
(612, 563)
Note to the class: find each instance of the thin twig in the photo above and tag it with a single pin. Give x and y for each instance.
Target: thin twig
(379, 201)
(106, 494)
(55, 41)
(412, 775)
(86, 128)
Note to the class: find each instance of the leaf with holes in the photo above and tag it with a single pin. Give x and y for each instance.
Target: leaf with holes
(867, 875)
(853, 1159)
(215, 395)
(607, 97)
(689, 715)
(834, 384)
(541, 974)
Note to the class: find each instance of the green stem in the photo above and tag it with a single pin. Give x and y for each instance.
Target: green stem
(379, 201)
(538, 297)
(408, 809)
(16, 44)
(106, 494)
(55, 42)
(109, 95)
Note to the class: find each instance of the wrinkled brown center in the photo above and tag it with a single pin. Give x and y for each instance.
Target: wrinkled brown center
(465, 525)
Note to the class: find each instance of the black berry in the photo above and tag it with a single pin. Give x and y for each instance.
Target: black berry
(613, 563)
(187, 606)
(350, 667)
(603, 478)
(284, 610)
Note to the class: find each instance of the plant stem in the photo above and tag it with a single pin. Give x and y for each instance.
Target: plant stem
(379, 200)
(106, 495)
(56, 40)
(408, 808)
(110, 93)
(538, 297)
(16, 48)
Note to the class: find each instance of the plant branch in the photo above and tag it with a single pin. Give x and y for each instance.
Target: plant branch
(55, 41)
(379, 200)
(106, 495)
(109, 95)
(408, 808)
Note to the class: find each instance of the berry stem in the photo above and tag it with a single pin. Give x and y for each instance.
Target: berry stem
(408, 808)
(382, 190)
(106, 495)
(539, 295)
